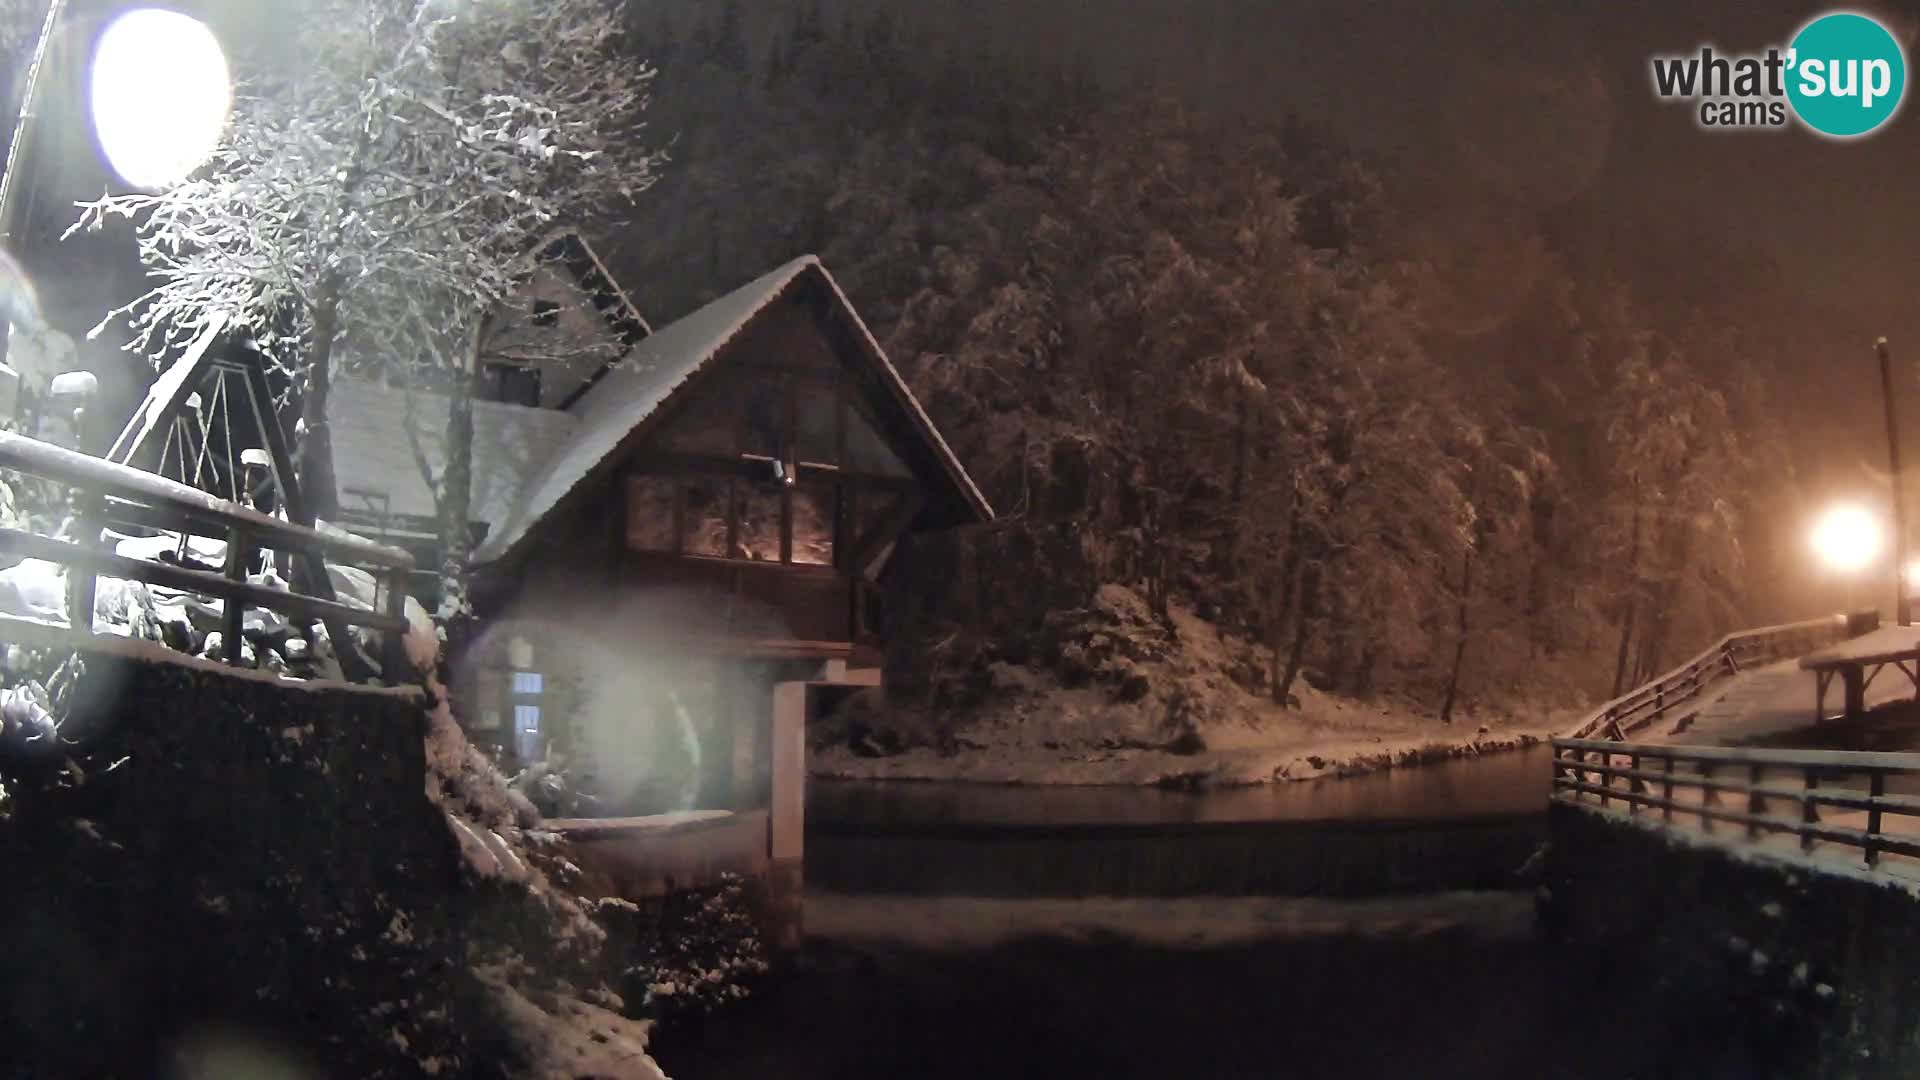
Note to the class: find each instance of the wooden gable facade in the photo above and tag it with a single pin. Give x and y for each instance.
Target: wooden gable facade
(765, 493)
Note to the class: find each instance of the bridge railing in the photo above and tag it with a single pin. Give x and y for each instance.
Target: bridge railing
(106, 493)
(1817, 797)
(1652, 702)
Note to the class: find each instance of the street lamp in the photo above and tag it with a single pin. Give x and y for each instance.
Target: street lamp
(161, 95)
(1847, 539)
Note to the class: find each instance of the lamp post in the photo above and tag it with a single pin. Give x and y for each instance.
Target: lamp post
(1903, 610)
(160, 93)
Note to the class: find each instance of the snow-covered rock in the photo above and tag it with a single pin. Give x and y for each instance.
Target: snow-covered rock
(125, 608)
(24, 715)
(34, 588)
(167, 548)
(353, 586)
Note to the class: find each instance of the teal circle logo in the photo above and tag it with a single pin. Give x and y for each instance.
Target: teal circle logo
(1846, 75)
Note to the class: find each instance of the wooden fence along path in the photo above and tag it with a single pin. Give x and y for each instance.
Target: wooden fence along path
(1638, 708)
(1863, 808)
(106, 493)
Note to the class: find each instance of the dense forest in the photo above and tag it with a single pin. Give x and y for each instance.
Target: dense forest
(1430, 445)
(1445, 433)
(1440, 447)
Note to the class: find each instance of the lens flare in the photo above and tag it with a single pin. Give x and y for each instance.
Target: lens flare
(161, 95)
(1847, 539)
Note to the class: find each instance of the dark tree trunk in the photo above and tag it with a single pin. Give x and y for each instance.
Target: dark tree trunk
(1678, 553)
(1286, 601)
(317, 486)
(1303, 626)
(1369, 665)
(455, 496)
(1339, 653)
(1633, 606)
(1461, 629)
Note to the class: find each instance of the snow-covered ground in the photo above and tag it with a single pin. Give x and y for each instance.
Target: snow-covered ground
(1155, 708)
(1370, 745)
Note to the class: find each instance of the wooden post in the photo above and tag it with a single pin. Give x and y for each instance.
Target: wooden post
(1854, 678)
(1902, 610)
(81, 583)
(393, 660)
(1756, 805)
(787, 815)
(14, 180)
(1876, 787)
(1708, 797)
(233, 610)
(1809, 815)
(1666, 812)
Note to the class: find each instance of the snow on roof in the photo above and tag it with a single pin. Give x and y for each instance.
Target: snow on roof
(659, 366)
(375, 463)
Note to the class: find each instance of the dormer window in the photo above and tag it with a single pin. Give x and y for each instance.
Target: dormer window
(509, 383)
(546, 313)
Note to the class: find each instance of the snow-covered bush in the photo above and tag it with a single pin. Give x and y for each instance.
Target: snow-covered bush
(700, 950)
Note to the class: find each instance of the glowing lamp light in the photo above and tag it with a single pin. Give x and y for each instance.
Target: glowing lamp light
(1847, 539)
(161, 94)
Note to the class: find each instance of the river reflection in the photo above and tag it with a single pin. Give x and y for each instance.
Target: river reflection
(1503, 783)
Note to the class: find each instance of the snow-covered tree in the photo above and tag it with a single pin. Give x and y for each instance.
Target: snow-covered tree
(391, 172)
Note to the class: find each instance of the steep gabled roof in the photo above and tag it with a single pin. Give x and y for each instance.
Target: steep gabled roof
(375, 460)
(614, 411)
(622, 315)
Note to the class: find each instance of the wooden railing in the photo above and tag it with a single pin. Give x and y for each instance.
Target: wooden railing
(1764, 793)
(1652, 702)
(106, 493)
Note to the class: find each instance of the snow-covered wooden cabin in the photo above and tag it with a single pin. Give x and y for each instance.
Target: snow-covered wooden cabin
(676, 550)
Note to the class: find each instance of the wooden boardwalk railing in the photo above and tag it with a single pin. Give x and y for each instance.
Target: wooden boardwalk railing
(1652, 702)
(111, 494)
(1815, 799)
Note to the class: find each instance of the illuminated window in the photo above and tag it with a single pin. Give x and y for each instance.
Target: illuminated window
(526, 719)
(650, 513)
(704, 530)
(760, 509)
(526, 682)
(813, 516)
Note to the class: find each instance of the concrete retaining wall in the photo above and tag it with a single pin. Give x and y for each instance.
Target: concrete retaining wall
(245, 860)
(1746, 961)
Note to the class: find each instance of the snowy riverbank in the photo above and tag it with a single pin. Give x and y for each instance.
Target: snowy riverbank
(1122, 698)
(1307, 758)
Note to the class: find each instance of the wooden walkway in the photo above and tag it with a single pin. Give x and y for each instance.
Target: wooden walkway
(1764, 704)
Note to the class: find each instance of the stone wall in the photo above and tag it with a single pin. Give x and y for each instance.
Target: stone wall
(1762, 964)
(240, 865)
